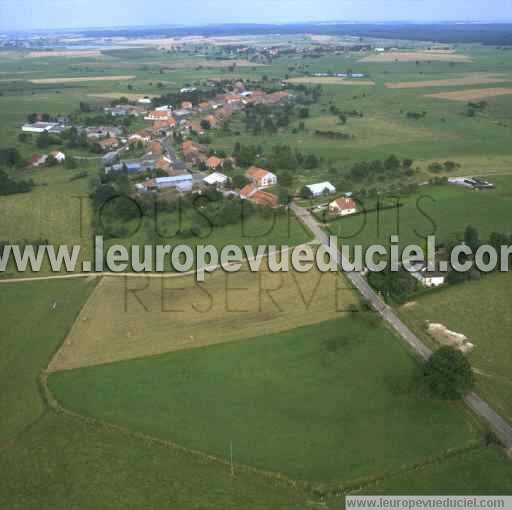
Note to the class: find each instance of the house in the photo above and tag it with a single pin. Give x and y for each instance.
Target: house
(144, 100)
(213, 162)
(321, 188)
(204, 106)
(343, 206)
(156, 149)
(142, 137)
(163, 164)
(216, 179)
(429, 278)
(159, 115)
(37, 160)
(248, 191)
(59, 156)
(164, 125)
(186, 105)
(260, 177)
(109, 143)
(164, 108)
(256, 196)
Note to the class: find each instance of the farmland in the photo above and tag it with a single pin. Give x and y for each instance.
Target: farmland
(155, 378)
(302, 396)
(478, 310)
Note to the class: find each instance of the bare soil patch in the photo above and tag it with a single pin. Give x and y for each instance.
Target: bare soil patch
(471, 94)
(442, 335)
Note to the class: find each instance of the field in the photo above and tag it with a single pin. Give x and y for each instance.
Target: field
(472, 94)
(469, 79)
(416, 56)
(329, 80)
(51, 460)
(137, 316)
(41, 81)
(298, 402)
(480, 311)
(443, 211)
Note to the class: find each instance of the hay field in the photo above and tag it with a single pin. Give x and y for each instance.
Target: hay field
(168, 314)
(65, 53)
(40, 81)
(329, 80)
(469, 79)
(412, 56)
(471, 94)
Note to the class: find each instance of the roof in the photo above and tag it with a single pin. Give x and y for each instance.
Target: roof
(109, 141)
(162, 164)
(344, 203)
(215, 178)
(320, 187)
(247, 191)
(214, 162)
(257, 173)
(173, 179)
(159, 114)
(264, 198)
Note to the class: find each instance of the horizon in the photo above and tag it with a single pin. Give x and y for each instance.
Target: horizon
(57, 15)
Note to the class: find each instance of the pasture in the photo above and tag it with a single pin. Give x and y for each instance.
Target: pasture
(417, 56)
(334, 401)
(472, 94)
(480, 310)
(131, 317)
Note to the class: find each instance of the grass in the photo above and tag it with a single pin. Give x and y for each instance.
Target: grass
(480, 310)
(333, 401)
(135, 317)
(485, 471)
(30, 332)
(443, 211)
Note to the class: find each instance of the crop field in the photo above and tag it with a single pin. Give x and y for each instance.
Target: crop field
(300, 402)
(469, 79)
(478, 310)
(329, 80)
(137, 316)
(472, 94)
(417, 56)
(42, 81)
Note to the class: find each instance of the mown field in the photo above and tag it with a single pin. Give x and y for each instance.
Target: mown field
(333, 401)
(132, 317)
(479, 310)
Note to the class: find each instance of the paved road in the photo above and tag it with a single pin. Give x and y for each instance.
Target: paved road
(499, 426)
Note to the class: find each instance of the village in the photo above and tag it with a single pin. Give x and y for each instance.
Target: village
(170, 154)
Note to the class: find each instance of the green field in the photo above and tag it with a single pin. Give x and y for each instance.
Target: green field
(443, 211)
(299, 402)
(480, 311)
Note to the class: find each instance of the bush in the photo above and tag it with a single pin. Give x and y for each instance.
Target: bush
(448, 374)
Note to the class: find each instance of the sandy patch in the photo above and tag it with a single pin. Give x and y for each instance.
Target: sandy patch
(444, 336)
(65, 53)
(471, 94)
(84, 78)
(413, 56)
(329, 80)
(469, 79)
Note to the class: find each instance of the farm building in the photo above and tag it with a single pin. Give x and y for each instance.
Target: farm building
(180, 182)
(321, 188)
(39, 127)
(216, 179)
(59, 156)
(260, 177)
(343, 206)
(471, 182)
(37, 160)
(429, 278)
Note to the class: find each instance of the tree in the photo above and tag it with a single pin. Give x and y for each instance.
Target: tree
(305, 192)
(472, 238)
(205, 124)
(392, 163)
(43, 140)
(448, 373)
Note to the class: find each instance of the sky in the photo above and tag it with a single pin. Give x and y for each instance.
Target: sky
(32, 14)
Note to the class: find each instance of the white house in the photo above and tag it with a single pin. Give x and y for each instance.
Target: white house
(321, 188)
(343, 206)
(216, 179)
(261, 178)
(429, 278)
(144, 100)
(59, 156)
